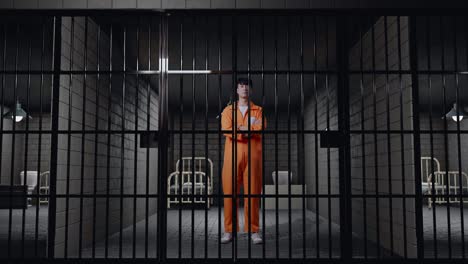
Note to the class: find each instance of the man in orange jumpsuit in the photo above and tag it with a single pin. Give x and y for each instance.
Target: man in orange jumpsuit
(241, 110)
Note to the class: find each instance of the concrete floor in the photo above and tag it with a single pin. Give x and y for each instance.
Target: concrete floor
(227, 249)
(29, 232)
(439, 246)
(270, 235)
(272, 245)
(441, 242)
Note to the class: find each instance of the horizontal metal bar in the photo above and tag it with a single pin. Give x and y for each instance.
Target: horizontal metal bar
(82, 195)
(217, 72)
(91, 72)
(356, 260)
(192, 72)
(324, 195)
(323, 12)
(202, 131)
(238, 195)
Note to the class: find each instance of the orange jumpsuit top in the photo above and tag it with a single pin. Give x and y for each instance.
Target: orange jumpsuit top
(256, 123)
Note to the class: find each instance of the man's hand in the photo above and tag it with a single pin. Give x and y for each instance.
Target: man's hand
(243, 128)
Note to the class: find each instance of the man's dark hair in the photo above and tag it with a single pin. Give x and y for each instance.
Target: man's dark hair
(245, 81)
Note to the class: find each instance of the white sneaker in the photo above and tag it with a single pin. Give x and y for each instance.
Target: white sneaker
(256, 238)
(226, 238)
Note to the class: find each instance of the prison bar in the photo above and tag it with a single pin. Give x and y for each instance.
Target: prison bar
(10, 215)
(249, 151)
(363, 137)
(416, 136)
(70, 99)
(263, 135)
(207, 199)
(457, 99)
(83, 127)
(275, 22)
(444, 92)
(194, 57)
(429, 60)
(389, 157)
(402, 152)
(109, 94)
(181, 109)
(96, 136)
(376, 161)
(3, 99)
(28, 87)
(39, 149)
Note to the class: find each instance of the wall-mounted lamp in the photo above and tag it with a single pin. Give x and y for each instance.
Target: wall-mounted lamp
(457, 115)
(17, 113)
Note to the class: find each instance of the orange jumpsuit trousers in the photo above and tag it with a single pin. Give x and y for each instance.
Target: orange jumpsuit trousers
(242, 165)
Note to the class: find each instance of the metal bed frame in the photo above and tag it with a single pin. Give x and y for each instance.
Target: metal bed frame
(181, 179)
(445, 182)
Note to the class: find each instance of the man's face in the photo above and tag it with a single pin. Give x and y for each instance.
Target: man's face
(243, 90)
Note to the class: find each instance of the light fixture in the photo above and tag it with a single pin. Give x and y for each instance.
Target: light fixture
(17, 113)
(457, 115)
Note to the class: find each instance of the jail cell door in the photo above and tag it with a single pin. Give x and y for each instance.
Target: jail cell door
(290, 64)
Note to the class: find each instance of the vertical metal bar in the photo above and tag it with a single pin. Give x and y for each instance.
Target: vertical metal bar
(2, 105)
(317, 231)
(193, 176)
(181, 113)
(288, 77)
(429, 67)
(363, 140)
(416, 136)
(249, 152)
(70, 100)
(109, 94)
(57, 51)
(83, 138)
(135, 164)
(302, 135)
(96, 136)
(39, 149)
(26, 141)
(207, 179)
(444, 95)
(402, 144)
(234, 139)
(263, 137)
(328, 149)
(148, 109)
(160, 250)
(122, 140)
(344, 151)
(389, 157)
(163, 133)
(460, 180)
(12, 164)
(220, 191)
(376, 160)
(276, 138)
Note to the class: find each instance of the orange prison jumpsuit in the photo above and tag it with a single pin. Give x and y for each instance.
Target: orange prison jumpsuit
(242, 176)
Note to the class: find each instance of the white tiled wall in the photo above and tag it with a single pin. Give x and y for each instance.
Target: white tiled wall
(120, 147)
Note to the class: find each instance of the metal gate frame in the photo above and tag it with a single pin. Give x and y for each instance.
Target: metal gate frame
(344, 151)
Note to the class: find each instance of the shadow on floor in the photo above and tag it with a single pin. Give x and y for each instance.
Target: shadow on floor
(30, 243)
